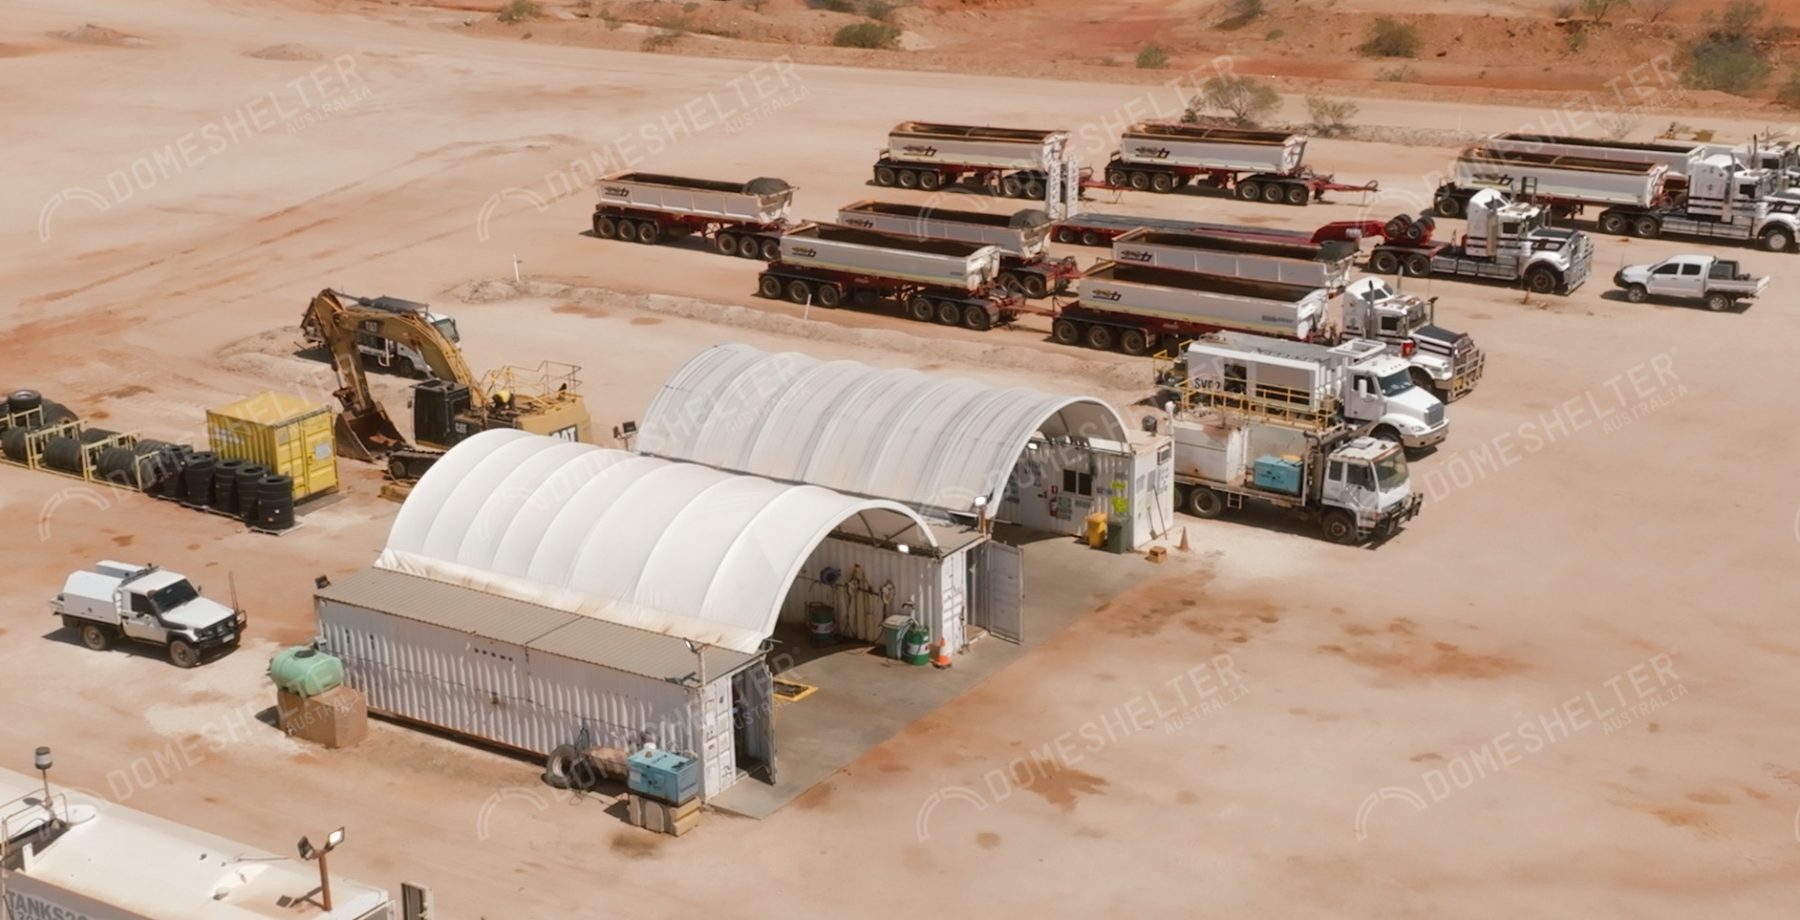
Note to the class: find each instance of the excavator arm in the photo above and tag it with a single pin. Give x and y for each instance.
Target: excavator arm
(364, 430)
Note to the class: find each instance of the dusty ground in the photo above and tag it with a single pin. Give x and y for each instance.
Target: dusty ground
(1590, 614)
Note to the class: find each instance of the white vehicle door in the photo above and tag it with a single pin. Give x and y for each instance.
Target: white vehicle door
(1359, 490)
(140, 620)
(1365, 403)
(1665, 280)
(1692, 280)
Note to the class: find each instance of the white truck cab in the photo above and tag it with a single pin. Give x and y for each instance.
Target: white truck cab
(1383, 393)
(1367, 477)
(1447, 363)
(143, 603)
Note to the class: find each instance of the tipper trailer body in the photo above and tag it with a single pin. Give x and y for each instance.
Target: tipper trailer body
(1023, 238)
(937, 280)
(1015, 162)
(741, 218)
(1257, 165)
(1136, 309)
(1325, 265)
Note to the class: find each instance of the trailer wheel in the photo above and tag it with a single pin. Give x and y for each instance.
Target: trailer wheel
(771, 250)
(1636, 293)
(930, 181)
(1117, 178)
(1203, 502)
(1066, 332)
(183, 655)
(1718, 302)
(1447, 206)
(649, 233)
(949, 313)
(750, 247)
(1777, 239)
(1297, 195)
(1090, 238)
(830, 296)
(1034, 284)
(1418, 265)
(884, 175)
(919, 307)
(1612, 223)
(1339, 527)
(1647, 227)
(1134, 342)
(1273, 193)
(1067, 235)
(1249, 190)
(1140, 181)
(96, 637)
(909, 179)
(769, 286)
(1541, 280)
(1099, 338)
(606, 228)
(975, 316)
(799, 291)
(1384, 262)
(1011, 187)
(1035, 189)
(726, 243)
(1162, 182)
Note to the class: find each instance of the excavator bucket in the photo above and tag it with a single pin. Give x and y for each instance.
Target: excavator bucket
(367, 436)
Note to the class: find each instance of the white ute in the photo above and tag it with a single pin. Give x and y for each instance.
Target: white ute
(1717, 282)
(146, 604)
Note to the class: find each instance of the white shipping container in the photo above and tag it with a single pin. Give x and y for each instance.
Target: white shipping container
(1225, 149)
(975, 146)
(1583, 180)
(760, 201)
(1282, 310)
(935, 262)
(1250, 260)
(1025, 234)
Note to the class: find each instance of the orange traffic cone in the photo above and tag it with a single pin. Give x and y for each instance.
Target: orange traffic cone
(942, 657)
(1184, 544)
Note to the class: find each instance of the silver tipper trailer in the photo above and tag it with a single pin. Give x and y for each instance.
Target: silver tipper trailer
(1325, 265)
(1025, 234)
(1210, 148)
(1185, 303)
(975, 146)
(1675, 156)
(1577, 179)
(759, 201)
(941, 263)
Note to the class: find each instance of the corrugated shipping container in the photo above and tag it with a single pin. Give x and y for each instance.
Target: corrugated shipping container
(285, 434)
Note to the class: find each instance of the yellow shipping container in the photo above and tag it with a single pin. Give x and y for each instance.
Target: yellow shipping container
(286, 434)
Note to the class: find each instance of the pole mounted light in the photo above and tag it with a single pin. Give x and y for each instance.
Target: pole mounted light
(310, 852)
(43, 762)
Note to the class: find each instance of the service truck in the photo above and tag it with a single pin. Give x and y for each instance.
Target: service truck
(1718, 283)
(1141, 309)
(1721, 199)
(144, 603)
(741, 218)
(1325, 265)
(1350, 485)
(1257, 165)
(1026, 265)
(1505, 241)
(1015, 162)
(1356, 381)
(398, 355)
(934, 280)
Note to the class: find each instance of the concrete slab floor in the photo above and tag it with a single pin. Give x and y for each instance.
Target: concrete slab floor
(864, 698)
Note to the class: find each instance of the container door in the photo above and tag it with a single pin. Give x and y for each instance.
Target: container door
(319, 462)
(1000, 587)
(753, 718)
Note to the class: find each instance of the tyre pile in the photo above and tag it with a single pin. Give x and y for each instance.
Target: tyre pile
(172, 472)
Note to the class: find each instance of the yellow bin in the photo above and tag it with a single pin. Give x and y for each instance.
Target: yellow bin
(285, 434)
(1096, 529)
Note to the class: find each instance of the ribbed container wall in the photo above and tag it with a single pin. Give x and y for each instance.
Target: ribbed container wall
(916, 579)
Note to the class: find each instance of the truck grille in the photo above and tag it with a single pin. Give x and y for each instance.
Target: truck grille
(1434, 415)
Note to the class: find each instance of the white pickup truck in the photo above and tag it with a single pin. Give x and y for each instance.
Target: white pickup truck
(1717, 282)
(146, 604)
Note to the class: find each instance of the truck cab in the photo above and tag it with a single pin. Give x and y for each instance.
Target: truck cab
(143, 603)
(1367, 478)
(1447, 363)
(1380, 390)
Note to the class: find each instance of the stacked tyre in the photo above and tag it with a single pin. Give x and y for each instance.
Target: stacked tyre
(64, 454)
(224, 486)
(275, 502)
(249, 491)
(198, 477)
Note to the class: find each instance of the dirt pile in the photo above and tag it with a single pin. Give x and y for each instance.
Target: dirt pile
(90, 34)
(285, 52)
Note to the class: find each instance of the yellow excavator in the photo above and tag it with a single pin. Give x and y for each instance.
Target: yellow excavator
(450, 406)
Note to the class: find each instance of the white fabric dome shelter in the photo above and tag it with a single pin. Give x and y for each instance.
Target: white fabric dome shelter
(676, 548)
(935, 443)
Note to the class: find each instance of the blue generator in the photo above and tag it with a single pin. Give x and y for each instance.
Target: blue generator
(1278, 474)
(663, 775)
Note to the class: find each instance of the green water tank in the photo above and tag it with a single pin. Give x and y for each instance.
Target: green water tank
(305, 670)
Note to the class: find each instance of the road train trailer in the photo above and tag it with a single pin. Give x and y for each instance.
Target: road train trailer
(1026, 265)
(941, 281)
(1253, 164)
(741, 218)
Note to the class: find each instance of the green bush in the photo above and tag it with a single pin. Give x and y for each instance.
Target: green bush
(879, 10)
(1273, 35)
(520, 11)
(1240, 13)
(1245, 99)
(1727, 68)
(1390, 38)
(866, 35)
(1327, 117)
(835, 6)
(1152, 58)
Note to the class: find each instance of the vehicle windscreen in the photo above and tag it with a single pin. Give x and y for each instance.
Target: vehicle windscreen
(1390, 471)
(1396, 383)
(172, 596)
(447, 326)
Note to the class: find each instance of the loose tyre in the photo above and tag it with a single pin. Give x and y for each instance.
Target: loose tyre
(1162, 182)
(769, 286)
(1339, 527)
(884, 175)
(830, 296)
(1134, 342)
(1384, 262)
(726, 244)
(1297, 195)
(96, 637)
(1647, 227)
(1395, 228)
(1418, 265)
(975, 316)
(949, 313)
(1203, 502)
(1718, 303)
(563, 767)
(1636, 293)
(1249, 191)
(1541, 281)
(1099, 338)
(919, 307)
(1066, 332)
(1613, 223)
(909, 179)
(799, 291)
(183, 655)
(1273, 193)
(606, 228)
(1777, 239)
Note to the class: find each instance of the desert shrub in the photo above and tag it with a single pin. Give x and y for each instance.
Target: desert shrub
(1245, 99)
(1390, 38)
(1240, 13)
(835, 6)
(520, 11)
(1725, 55)
(1405, 73)
(1152, 58)
(866, 35)
(880, 10)
(1328, 117)
(1597, 9)
(1273, 35)
(1656, 9)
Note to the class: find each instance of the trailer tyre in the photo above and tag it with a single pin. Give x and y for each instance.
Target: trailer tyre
(1273, 193)
(183, 655)
(96, 637)
(1066, 332)
(1339, 527)
(1203, 502)
(769, 286)
(1162, 183)
(1035, 189)
(975, 316)
(830, 296)
(1067, 235)
(1099, 338)
(1011, 187)
(1118, 178)
(908, 179)
(1636, 293)
(799, 291)
(884, 175)
(649, 233)
(949, 313)
(1384, 262)
(1717, 302)
(1134, 342)
(1034, 285)
(726, 244)
(1647, 227)
(1613, 223)
(1250, 190)
(606, 228)
(1541, 281)
(1297, 195)
(1418, 265)
(1447, 206)
(919, 307)
(1777, 239)
(930, 181)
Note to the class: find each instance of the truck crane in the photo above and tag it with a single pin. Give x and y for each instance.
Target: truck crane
(450, 406)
